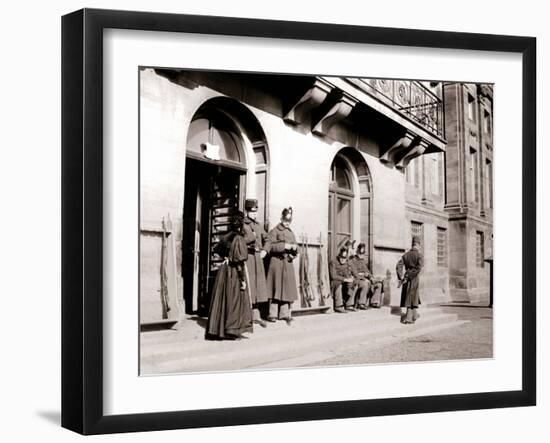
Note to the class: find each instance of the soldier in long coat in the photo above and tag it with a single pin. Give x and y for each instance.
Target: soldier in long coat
(255, 237)
(408, 270)
(281, 280)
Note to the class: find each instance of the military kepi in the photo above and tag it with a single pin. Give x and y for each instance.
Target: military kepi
(251, 204)
(287, 214)
(343, 253)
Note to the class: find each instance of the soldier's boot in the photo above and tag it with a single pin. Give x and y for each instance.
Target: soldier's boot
(408, 317)
(257, 318)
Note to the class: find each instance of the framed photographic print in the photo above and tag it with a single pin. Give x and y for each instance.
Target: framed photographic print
(269, 221)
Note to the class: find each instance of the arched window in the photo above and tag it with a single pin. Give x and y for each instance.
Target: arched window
(340, 205)
(215, 130)
(349, 202)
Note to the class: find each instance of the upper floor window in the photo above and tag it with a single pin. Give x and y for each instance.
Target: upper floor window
(471, 107)
(486, 122)
(488, 183)
(411, 172)
(474, 171)
(437, 174)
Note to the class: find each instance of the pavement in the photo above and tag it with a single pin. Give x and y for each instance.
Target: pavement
(362, 337)
(470, 337)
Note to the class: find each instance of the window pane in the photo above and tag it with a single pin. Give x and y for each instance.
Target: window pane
(417, 229)
(341, 178)
(489, 183)
(259, 152)
(364, 186)
(343, 215)
(198, 134)
(474, 171)
(227, 143)
(471, 107)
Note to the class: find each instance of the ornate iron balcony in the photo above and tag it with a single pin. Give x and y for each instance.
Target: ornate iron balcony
(411, 98)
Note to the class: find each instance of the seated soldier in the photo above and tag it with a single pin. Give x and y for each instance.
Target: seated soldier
(364, 280)
(342, 283)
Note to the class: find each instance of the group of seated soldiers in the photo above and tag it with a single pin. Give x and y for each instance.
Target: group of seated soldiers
(352, 284)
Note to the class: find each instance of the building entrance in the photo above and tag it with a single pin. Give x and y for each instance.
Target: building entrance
(212, 194)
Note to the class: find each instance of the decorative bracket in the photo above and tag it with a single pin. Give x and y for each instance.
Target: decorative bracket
(340, 110)
(418, 149)
(399, 147)
(311, 99)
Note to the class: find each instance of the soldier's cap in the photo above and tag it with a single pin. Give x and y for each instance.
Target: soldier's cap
(286, 215)
(343, 253)
(251, 204)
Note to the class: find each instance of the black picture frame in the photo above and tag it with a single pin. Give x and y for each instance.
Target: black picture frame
(82, 218)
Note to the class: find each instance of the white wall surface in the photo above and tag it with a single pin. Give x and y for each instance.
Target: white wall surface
(30, 219)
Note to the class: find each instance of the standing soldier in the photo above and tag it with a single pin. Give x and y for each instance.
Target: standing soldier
(408, 270)
(255, 236)
(342, 279)
(281, 280)
(364, 280)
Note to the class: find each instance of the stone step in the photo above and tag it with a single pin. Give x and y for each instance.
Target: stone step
(192, 330)
(279, 342)
(191, 335)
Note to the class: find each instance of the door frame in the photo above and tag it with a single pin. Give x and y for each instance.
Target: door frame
(199, 265)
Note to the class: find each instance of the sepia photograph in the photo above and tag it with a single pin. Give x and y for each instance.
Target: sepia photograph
(295, 221)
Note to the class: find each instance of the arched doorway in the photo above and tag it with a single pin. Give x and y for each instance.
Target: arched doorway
(349, 202)
(220, 155)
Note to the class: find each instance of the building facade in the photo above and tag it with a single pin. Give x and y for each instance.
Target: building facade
(357, 159)
(469, 129)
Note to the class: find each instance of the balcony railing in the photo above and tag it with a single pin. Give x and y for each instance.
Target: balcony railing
(410, 98)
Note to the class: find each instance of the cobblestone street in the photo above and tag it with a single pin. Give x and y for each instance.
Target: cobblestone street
(471, 338)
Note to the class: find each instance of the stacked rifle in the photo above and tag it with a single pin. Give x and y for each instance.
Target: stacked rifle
(163, 265)
(307, 291)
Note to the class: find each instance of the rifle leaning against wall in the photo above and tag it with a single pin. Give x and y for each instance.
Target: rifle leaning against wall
(310, 296)
(163, 274)
(324, 291)
(302, 275)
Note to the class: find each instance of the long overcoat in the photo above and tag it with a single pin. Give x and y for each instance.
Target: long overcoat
(255, 237)
(409, 267)
(281, 278)
(338, 272)
(230, 309)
